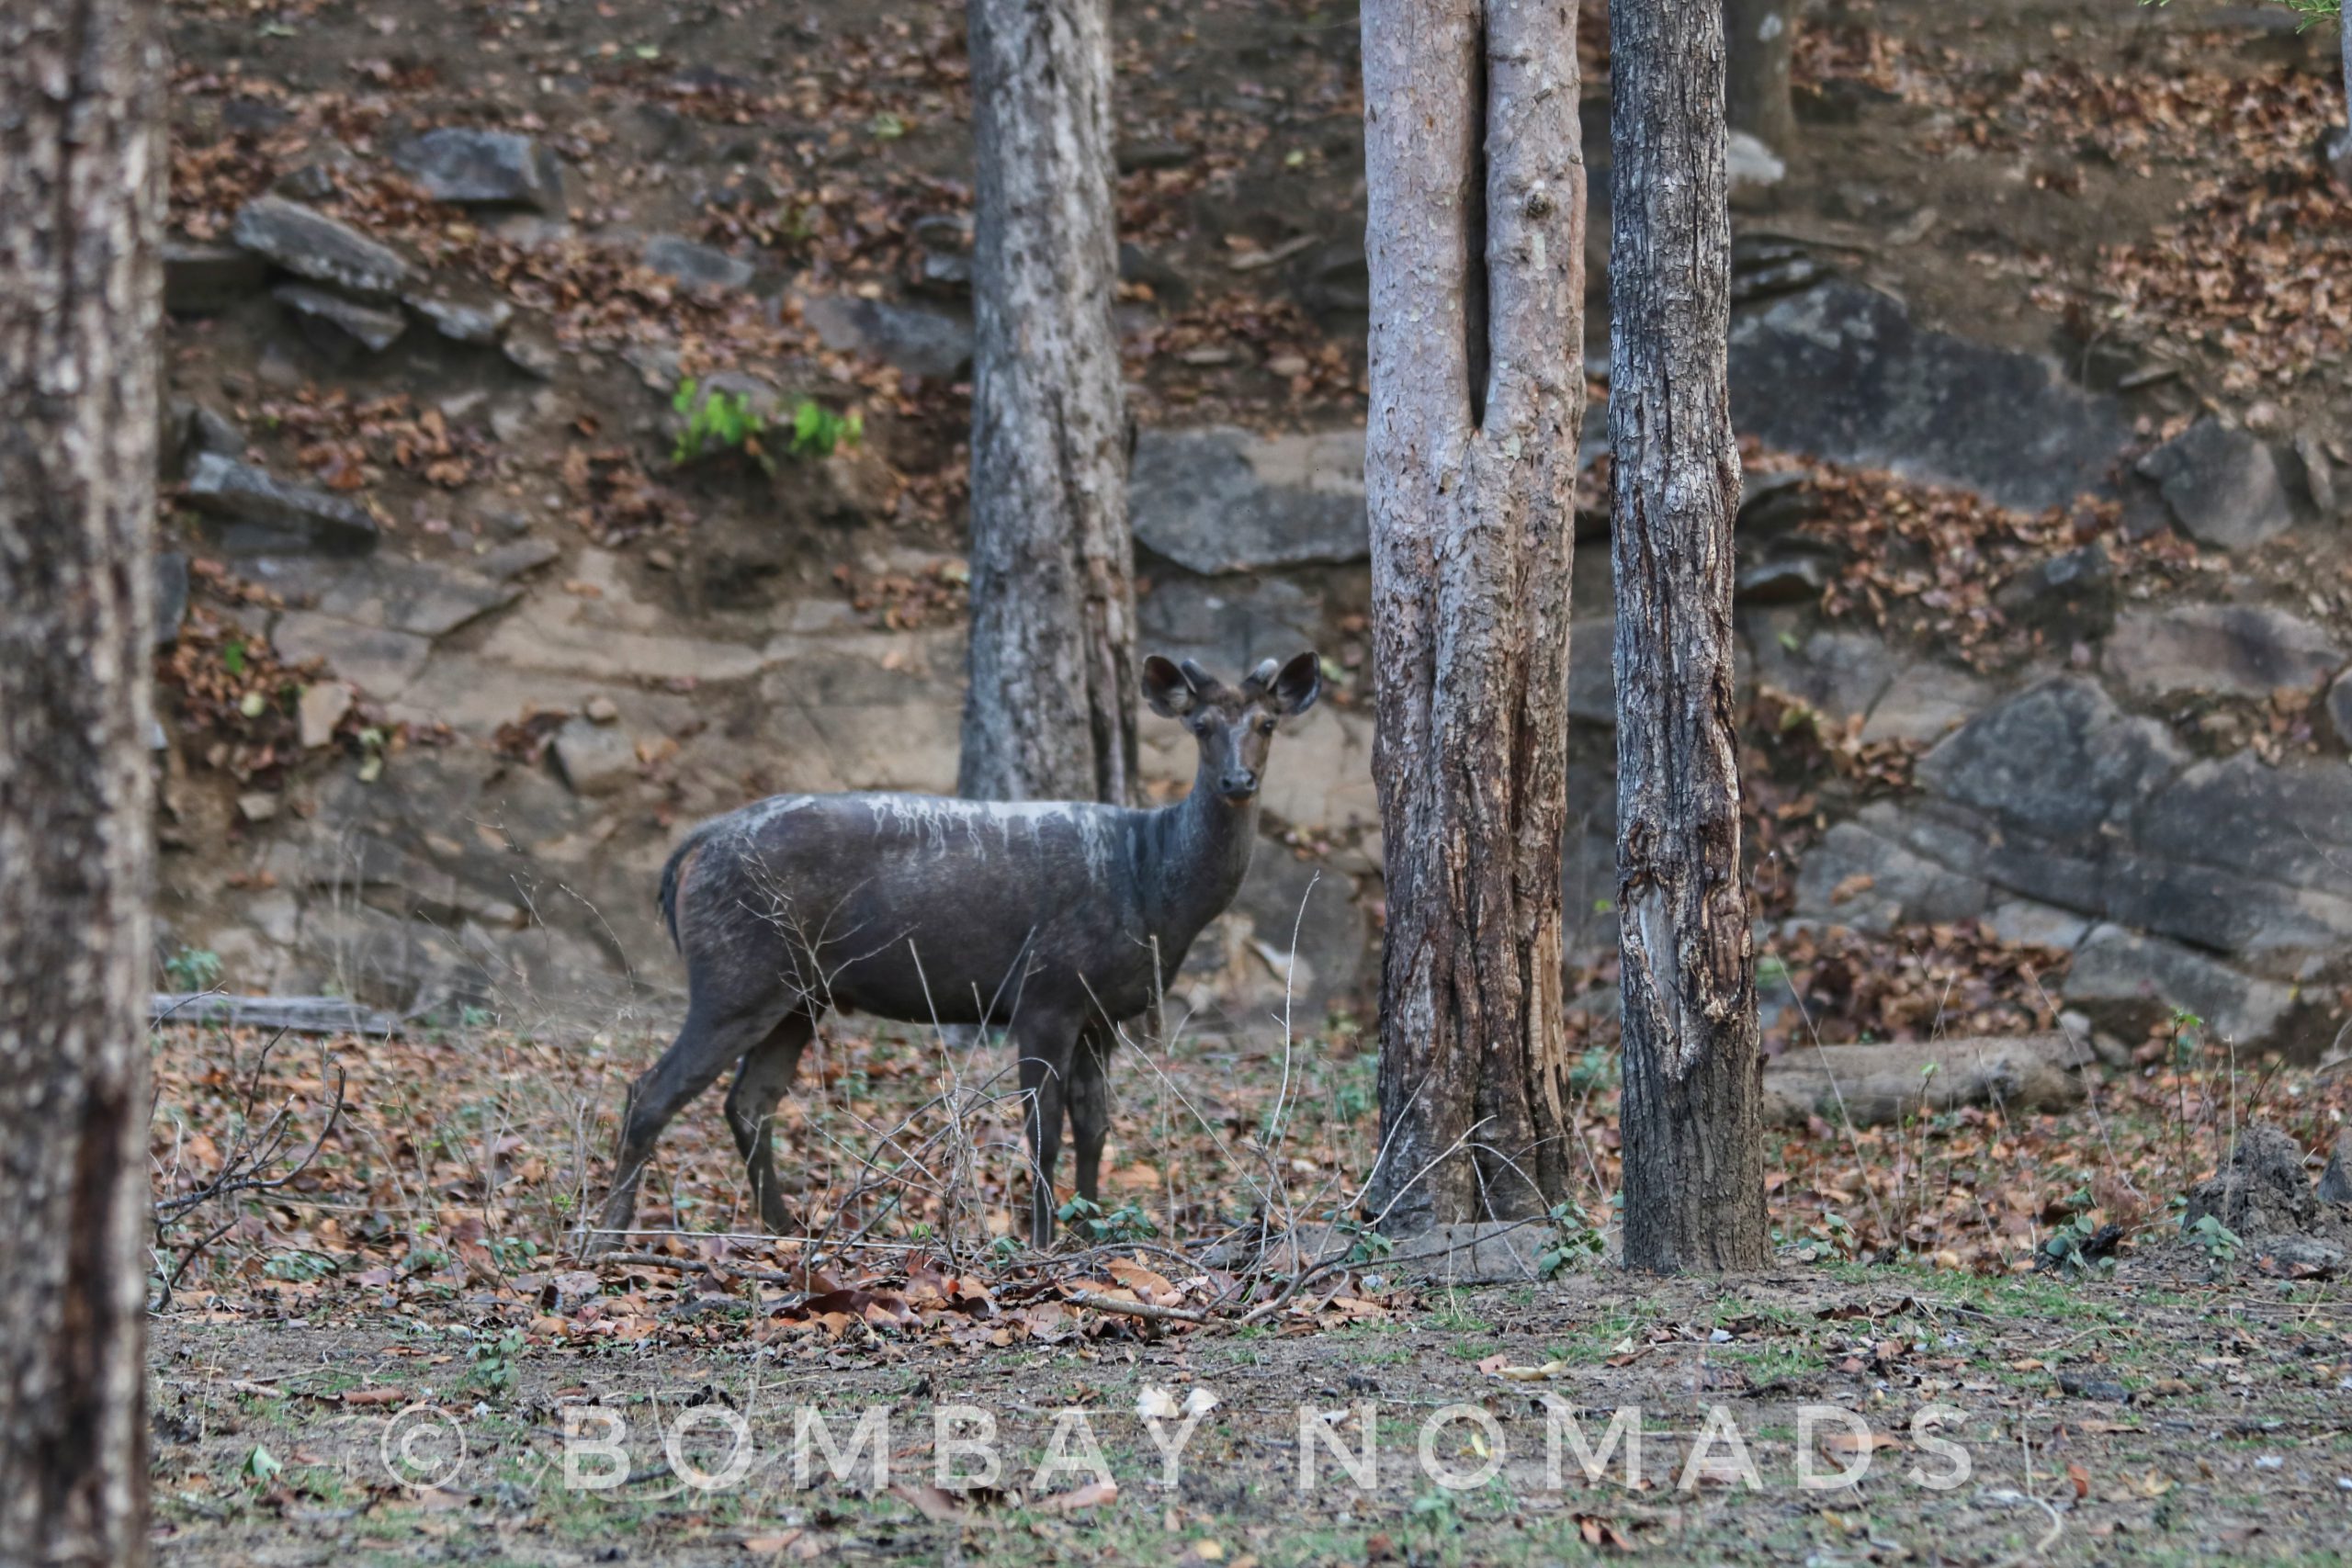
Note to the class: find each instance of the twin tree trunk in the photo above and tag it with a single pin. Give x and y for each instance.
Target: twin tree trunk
(81, 206)
(1694, 1163)
(1050, 713)
(1475, 238)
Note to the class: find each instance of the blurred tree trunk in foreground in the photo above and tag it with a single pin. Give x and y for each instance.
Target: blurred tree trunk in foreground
(81, 208)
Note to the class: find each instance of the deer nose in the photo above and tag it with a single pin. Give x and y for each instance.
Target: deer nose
(1237, 783)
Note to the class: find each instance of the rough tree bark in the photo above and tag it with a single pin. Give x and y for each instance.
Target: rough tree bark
(1051, 709)
(1475, 237)
(1761, 35)
(1694, 1172)
(80, 205)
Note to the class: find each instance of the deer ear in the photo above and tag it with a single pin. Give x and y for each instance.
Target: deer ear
(1294, 690)
(1165, 690)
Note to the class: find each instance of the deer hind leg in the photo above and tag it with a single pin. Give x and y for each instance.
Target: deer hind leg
(713, 1037)
(760, 1083)
(1090, 1109)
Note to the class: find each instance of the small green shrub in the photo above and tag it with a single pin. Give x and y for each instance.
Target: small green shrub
(194, 969)
(720, 420)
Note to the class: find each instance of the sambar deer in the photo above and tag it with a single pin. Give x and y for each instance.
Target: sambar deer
(1059, 921)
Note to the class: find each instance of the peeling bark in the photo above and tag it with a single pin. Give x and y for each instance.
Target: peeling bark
(81, 297)
(1694, 1173)
(1050, 713)
(1474, 170)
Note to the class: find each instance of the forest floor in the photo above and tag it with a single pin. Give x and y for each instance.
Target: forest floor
(2171, 1399)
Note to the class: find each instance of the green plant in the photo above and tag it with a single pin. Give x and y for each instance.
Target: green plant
(1092, 1221)
(721, 421)
(718, 420)
(818, 430)
(1574, 1238)
(2218, 1241)
(194, 969)
(490, 1363)
(298, 1265)
(1596, 1069)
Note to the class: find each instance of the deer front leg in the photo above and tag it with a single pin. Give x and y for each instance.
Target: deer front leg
(1045, 1051)
(705, 1045)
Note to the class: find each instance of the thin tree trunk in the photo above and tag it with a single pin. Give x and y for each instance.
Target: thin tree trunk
(1760, 35)
(1475, 238)
(1695, 1175)
(81, 204)
(1051, 709)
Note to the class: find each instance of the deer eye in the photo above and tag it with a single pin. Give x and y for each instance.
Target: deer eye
(1266, 727)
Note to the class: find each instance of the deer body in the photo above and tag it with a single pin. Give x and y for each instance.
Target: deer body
(1059, 921)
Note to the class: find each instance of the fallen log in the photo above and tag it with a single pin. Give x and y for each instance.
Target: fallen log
(1872, 1086)
(295, 1015)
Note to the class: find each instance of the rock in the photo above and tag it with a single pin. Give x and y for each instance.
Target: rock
(2029, 924)
(2272, 844)
(2317, 475)
(1137, 156)
(601, 709)
(1838, 674)
(424, 599)
(1925, 702)
(2339, 706)
(476, 317)
(258, 806)
(483, 168)
(209, 430)
(510, 561)
(170, 596)
(1841, 372)
(1592, 671)
(1788, 571)
(1218, 499)
(320, 709)
(200, 278)
(1137, 264)
(266, 514)
(1228, 623)
(2261, 1191)
(325, 250)
(2335, 1181)
(864, 711)
(942, 263)
(593, 760)
(696, 266)
(534, 351)
(1853, 877)
(1762, 266)
(1877, 1085)
(1750, 165)
(2246, 650)
(2129, 984)
(2059, 759)
(1335, 281)
(1295, 931)
(2069, 598)
(342, 320)
(378, 662)
(919, 340)
(2221, 486)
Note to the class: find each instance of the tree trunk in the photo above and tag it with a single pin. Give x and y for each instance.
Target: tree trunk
(1760, 36)
(1475, 239)
(81, 297)
(1051, 710)
(1694, 1173)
